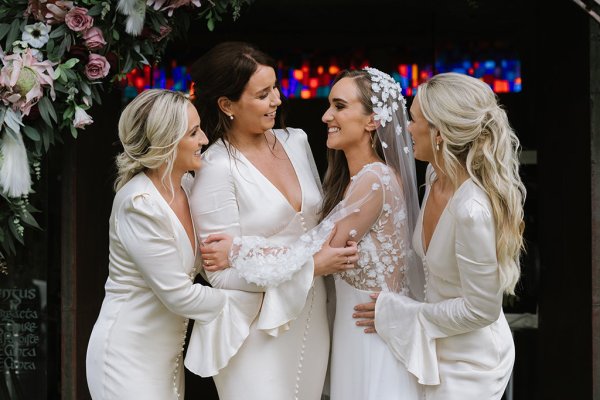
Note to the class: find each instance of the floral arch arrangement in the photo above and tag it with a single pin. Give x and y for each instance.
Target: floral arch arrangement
(56, 56)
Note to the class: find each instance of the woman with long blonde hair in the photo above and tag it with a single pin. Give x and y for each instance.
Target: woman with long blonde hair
(469, 235)
(136, 346)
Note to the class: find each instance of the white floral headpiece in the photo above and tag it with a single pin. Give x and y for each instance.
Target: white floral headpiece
(385, 88)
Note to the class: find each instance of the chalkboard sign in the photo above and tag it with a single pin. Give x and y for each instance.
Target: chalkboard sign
(22, 361)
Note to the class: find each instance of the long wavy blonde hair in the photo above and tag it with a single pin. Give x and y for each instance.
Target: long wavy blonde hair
(150, 128)
(477, 137)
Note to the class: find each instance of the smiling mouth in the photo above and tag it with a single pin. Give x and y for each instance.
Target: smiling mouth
(271, 114)
(197, 152)
(333, 129)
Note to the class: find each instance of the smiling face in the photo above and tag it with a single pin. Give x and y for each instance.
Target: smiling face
(189, 147)
(348, 123)
(254, 112)
(419, 129)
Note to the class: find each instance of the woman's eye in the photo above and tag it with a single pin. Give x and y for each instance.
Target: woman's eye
(339, 106)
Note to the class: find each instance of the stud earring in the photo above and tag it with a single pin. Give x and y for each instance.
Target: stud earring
(231, 117)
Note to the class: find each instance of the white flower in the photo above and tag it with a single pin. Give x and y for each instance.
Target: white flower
(375, 186)
(406, 150)
(387, 208)
(81, 118)
(36, 35)
(384, 145)
(386, 179)
(352, 233)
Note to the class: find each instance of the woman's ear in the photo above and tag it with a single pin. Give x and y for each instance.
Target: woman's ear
(372, 124)
(225, 105)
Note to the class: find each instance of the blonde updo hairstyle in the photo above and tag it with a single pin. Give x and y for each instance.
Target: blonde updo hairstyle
(150, 129)
(477, 137)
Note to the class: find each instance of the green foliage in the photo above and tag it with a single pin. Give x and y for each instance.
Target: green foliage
(60, 109)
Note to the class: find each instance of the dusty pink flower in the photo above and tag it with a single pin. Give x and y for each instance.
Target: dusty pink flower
(171, 4)
(94, 40)
(22, 80)
(50, 11)
(97, 67)
(81, 118)
(78, 20)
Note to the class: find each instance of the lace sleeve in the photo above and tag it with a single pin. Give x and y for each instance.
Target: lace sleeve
(376, 217)
(261, 261)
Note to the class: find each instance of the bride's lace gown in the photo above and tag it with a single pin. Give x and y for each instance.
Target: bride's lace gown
(373, 211)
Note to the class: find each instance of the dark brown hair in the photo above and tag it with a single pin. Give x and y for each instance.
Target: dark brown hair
(225, 71)
(337, 175)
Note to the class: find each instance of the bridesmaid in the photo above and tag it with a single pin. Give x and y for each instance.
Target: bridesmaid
(260, 186)
(469, 235)
(136, 345)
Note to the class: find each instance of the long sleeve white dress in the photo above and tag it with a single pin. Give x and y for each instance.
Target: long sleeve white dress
(285, 354)
(135, 348)
(373, 211)
(458, 342)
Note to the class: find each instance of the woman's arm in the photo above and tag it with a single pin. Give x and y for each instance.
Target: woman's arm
(148, 239)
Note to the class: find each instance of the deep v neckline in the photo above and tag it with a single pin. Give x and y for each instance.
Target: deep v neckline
(193, 244)
(425, 247)
(272, 185)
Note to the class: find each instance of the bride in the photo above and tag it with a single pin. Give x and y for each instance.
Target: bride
(370, 195)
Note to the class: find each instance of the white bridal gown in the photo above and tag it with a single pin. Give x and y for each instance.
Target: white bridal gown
(458, 343)
(374, 211)
(136, 345)
(285, 353)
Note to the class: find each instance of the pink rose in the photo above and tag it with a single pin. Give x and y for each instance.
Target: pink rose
(94, 40)
(77, 19)
(97, 67)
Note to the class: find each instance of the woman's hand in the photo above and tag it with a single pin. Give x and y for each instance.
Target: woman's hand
(215, 252)
(335, 259)
(366, 313)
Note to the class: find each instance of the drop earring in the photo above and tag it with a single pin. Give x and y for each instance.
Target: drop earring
(437, 146)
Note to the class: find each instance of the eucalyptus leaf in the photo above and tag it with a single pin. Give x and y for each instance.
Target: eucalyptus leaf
(70, 63)
(95, 10)
(85, 88)
(58, 32)
(73, 131)
(4, 28)
(13, 34)
(44, 112)
(49, 107)
(27, 218)
(32, 133)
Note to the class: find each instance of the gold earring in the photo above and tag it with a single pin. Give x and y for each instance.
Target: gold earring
(437, 146)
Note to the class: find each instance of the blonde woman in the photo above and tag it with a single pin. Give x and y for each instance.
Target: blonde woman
(469, 236)
(136, 345)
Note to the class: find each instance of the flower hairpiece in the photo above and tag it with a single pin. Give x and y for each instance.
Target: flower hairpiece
(388, 94)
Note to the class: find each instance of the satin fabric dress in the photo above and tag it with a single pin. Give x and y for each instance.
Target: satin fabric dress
(135, 349)
(458, 343)
(285, 353)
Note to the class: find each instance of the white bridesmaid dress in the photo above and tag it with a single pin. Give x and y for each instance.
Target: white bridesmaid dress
(284, 355)
(135, 348)
(458, 343)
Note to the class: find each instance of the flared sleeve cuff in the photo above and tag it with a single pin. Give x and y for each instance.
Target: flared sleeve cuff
(284, 303)
(212, 345)
(398, 323)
